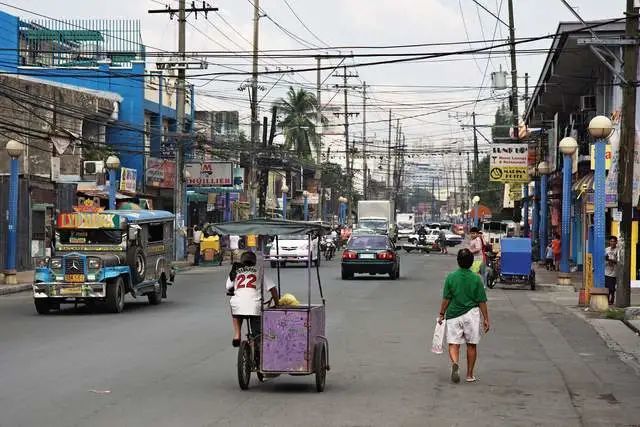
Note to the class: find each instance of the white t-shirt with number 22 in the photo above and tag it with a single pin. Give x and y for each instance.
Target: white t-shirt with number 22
(246, 286)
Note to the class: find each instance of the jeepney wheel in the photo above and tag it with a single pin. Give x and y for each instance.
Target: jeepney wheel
(155, 297)
(138, 264)
(115, 296)
(320, 366)
(43, 306)
(244, 365)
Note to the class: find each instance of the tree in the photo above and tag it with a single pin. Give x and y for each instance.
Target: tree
(490, 192)
(300, 109)
(502, 122)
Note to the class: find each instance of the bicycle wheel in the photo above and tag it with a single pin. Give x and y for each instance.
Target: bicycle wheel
(244, 365)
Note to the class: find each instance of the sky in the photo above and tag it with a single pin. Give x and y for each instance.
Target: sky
(336, 26)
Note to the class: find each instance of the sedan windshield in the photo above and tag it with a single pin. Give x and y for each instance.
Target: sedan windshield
(364, 242)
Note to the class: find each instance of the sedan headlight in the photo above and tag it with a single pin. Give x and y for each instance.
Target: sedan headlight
(94, 263)
(55, 263)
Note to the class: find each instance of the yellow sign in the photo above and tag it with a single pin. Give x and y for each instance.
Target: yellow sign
(74, 278)
(252, 241)
(515, 174)
(608, 154)
(515, 192)
(88, 220)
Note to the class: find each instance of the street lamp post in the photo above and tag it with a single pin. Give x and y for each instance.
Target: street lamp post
(14, 149)
(305, 209)
(600, 128)
(476, 208)
(535, 214)
(284, 190)
(543, 170)
(568, 147)
(113, 164)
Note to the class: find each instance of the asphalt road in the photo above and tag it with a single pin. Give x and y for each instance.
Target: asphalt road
(173, 364)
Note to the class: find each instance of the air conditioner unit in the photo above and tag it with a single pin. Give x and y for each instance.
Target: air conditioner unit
(92, 168)
(588, 103)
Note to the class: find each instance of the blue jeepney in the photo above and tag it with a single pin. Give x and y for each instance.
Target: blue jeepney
(101, 256)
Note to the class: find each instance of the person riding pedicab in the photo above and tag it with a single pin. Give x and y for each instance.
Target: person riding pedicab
(244, 285)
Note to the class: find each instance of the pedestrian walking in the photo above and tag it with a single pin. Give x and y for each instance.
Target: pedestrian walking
(477, 248)
(197, 238)
(549, 257)
(463, 301)
(442, 242)
(556, 246)
(612, 256)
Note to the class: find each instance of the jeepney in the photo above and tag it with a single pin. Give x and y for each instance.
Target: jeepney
(101, 256)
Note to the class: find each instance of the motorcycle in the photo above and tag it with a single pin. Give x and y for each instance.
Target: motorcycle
(493, 269)
(328, 247)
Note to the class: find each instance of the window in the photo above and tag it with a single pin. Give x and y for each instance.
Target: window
(90, 237)
(156, 233)
(366, 242)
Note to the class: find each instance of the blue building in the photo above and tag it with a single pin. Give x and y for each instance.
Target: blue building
(104, 55)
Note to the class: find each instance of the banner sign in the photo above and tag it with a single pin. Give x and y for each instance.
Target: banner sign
(237, 187)
(509, 163)
(160, 173)
(128, 180)
(88, 220)
(210, 174)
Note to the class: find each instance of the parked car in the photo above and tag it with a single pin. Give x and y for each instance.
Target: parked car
(431, 236)
(370, 254)
(293, 248)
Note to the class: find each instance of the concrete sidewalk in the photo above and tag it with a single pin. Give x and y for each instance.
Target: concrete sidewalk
(25, 280)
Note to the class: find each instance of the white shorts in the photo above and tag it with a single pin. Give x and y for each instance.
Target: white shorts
(464, 329)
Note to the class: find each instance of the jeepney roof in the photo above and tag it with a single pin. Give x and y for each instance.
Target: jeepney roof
(142, 215)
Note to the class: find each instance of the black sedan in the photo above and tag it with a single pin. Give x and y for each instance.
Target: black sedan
(370, 254)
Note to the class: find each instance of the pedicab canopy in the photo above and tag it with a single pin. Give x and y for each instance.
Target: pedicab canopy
(267, 227)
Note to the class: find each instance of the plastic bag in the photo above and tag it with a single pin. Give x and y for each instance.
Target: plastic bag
(438, 338)
(476, 266)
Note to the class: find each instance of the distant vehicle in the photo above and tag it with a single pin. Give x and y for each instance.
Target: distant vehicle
(379, 215)
(406, 225)
(458, 229)
(434, 225)
(370, 254)
(494, 231)
(293, 248)
(431, 237)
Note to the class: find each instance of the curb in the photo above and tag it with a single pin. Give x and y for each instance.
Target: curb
(552, 287)
(15, 289)
(631, 326)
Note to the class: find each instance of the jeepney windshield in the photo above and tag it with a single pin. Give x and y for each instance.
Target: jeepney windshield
(90, 237)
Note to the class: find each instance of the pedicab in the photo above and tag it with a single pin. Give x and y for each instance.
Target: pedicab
(291, 339)
(515, 263)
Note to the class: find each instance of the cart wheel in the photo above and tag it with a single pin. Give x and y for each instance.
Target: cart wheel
(532, 283)
(320, 366)
(244, 365)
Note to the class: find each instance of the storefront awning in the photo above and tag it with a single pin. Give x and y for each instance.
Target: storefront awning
(584, 184)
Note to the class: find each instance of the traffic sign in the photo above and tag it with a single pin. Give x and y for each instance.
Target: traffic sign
(513, 174)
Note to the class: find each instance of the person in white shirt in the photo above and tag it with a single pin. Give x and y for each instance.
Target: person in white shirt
(612, 256)
(197, 238)
(245, 283)
(234, 246)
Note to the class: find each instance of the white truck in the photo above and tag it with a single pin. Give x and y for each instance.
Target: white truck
(406, 225)
(379, 216)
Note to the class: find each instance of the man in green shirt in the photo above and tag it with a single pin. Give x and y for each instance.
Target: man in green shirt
(463, 301)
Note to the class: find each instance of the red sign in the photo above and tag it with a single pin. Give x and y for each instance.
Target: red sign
(160, 173)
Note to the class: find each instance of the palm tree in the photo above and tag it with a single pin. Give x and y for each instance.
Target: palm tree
(299, 124)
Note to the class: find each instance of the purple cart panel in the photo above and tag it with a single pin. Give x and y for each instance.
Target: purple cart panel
(288, 337)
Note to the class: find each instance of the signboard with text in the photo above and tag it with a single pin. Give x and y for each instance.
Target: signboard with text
(210, 174)
(160, 173)
(509, 163)
(128, 180)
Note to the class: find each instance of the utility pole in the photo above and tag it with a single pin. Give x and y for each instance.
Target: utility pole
(179, 194)
(626, 152)
(476, 161)
(348, 153)
(254, 107)
(433, 198)
(514, 72)
(389, 158)
(319, 142)
(364, 140)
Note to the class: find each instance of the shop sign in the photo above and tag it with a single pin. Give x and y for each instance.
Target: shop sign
(88, 220)
(128, 180)
(210, 174)
(237, 187)
(86, 204)
(160, 173)
(509, 163)
(608, 155)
